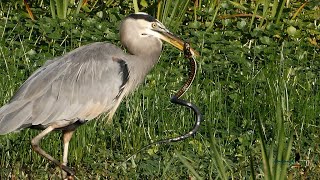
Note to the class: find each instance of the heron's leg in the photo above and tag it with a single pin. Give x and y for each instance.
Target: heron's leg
(35, 145)
(67, 135)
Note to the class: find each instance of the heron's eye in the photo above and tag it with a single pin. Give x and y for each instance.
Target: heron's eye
(154, 25)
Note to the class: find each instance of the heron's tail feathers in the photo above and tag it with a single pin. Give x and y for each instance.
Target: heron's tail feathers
(13, 116)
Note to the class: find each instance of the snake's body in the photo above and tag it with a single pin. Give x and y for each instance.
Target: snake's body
(176, 100)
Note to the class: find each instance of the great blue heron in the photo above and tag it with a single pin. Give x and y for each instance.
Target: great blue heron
(86, 82)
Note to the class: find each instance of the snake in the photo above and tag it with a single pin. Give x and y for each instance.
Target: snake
(176, 99)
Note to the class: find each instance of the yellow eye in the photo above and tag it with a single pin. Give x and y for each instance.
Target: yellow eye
(154, 25)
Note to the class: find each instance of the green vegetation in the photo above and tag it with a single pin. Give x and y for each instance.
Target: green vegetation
(257, 86)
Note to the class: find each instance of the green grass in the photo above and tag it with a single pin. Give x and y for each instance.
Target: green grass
(257, 86)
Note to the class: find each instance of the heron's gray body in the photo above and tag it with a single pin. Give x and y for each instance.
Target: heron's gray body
(80, 85)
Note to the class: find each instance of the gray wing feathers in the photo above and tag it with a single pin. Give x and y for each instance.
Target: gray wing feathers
(79, 85)
(16, 110)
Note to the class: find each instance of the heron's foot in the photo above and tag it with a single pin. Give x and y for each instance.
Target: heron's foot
(68, 170)
(66, 177)
(69, 178)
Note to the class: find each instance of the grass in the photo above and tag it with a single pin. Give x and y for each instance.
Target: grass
(257, 86)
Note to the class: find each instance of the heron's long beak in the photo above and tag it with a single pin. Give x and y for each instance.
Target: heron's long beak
(175, 41)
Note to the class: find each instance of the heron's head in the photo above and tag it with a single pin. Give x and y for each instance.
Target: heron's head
(141, 30)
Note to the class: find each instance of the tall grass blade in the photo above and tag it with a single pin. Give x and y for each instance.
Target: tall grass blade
(254, 15)
(165, 12)
(279, 11)
(53, 8)
(167, 167)
(176, 6)
(109, 2)
(28, 9)
(217, 159)
(274, 8)
(159, 9)
(217, 7)
(280, 134)
(181, 14)
(188, 165)
(265, 158)
(171, 14)
(60, 9)
(299, 10)
(79, 6)
(65, 8)
(253, 176)
(264, 12)
(136, 6)
(287, 156)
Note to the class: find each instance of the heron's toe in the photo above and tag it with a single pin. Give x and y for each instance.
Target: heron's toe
(69, 178)
(68, 170)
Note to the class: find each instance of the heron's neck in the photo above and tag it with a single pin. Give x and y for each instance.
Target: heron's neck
(140, 65)
(147, 52)
(148, 60)
(151, 57)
